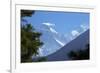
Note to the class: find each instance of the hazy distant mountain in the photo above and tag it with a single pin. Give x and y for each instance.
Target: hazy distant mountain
(52, 40)
(78, 43)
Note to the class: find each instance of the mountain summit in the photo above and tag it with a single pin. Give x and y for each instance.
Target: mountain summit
(52, 40)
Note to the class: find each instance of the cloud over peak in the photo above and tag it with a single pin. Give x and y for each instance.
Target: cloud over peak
(75, 33)
(48, 24)
(84, 27)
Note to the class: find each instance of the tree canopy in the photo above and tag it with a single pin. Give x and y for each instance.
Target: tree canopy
(30, 42)
(80, 54)
(28, 13)
(30, 39)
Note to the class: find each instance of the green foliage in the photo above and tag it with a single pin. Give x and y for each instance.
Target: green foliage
(80, 54)
(30, 39)
(30, 42)
(42, 59)
(28, 13)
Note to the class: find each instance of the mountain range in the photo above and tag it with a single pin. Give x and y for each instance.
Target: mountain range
(79, 43)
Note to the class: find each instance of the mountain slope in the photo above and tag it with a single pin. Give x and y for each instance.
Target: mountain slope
(50, 37)
(75, 44)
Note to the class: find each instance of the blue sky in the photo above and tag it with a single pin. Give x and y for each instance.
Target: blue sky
(68, 24)
(67, 21)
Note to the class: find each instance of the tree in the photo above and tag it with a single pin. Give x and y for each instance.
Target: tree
(27, 13)
(42, 59)
(30, 42)
(30, 38)
(80, 54)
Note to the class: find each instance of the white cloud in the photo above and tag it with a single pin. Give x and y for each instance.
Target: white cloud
(75, 33)
(53, 30)
(84, 27)
(48, 24)
(62, 44)
(49, 27)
